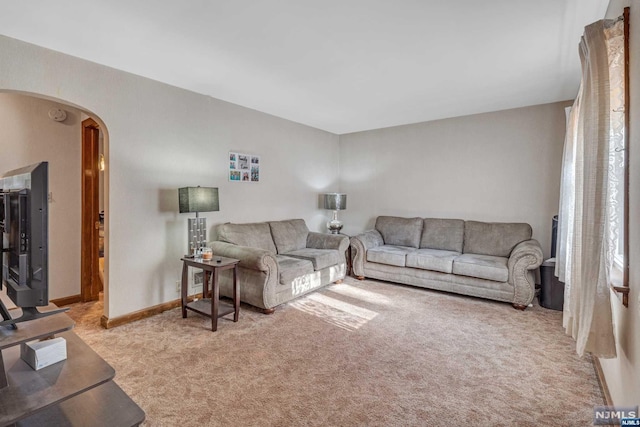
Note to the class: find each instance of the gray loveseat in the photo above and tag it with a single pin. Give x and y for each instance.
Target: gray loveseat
(279, 260)
(489, 260)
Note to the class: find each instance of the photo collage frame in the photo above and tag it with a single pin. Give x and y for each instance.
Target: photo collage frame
(244, 167)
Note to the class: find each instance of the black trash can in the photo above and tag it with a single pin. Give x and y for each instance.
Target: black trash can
(551, 289)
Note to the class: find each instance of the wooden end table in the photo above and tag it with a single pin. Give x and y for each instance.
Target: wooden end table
(210, 304)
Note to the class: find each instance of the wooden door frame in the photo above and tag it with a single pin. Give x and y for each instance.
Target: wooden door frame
(89, 267)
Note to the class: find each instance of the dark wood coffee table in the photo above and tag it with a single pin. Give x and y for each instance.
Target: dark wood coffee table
(210, 304)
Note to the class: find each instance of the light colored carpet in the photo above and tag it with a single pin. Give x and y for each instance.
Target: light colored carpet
(359, 353)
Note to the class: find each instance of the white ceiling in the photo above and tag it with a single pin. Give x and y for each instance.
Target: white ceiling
(338, 65)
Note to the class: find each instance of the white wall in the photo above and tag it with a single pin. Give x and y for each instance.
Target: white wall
(501, 166)
(623, 373)
(28, 136)
(159, 138)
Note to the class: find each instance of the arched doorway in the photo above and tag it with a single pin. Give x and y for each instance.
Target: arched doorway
(30, 133)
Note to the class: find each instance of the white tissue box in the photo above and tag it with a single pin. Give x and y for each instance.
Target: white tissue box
(40, 354)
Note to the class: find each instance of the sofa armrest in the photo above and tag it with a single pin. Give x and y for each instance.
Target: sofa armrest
(327, 241)
(359, 246)
(523, 260)
(252, 258)
(257, 273)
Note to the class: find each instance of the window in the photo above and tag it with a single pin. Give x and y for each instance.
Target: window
(619, 160)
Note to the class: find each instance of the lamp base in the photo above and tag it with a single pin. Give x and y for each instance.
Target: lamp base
(197, 234)
(334, 226)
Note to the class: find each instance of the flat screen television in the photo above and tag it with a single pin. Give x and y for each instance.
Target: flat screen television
(24, 244)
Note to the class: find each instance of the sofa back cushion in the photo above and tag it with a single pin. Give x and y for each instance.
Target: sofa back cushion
(254, 235)
(289, 235)
(494, 238)
(400, 231)
(443, 234)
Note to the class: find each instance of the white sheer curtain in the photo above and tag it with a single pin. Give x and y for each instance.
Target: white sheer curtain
(589, 214)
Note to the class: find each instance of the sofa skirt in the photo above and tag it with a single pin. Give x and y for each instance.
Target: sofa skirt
(258, 291)
(482, 288)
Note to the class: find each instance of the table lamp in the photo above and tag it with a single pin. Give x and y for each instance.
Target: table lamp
(198, 199)
(335, 202)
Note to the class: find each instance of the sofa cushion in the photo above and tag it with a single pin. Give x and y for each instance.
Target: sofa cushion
(494, 238)
(290, 268)
(400, 231)
(388, 254)
(432, 259)
(254, 235)
(444, 234)
(289, 235)
(321, 258)
(482, 266)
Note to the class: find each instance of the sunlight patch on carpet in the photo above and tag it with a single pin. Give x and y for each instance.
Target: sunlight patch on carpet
(306, 283)
(336, 312)
(361, 294)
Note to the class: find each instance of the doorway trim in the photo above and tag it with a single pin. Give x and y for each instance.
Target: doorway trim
(89, 266)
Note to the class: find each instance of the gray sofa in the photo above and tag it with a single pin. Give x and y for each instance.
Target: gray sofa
(489, 260)
(279, 260)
